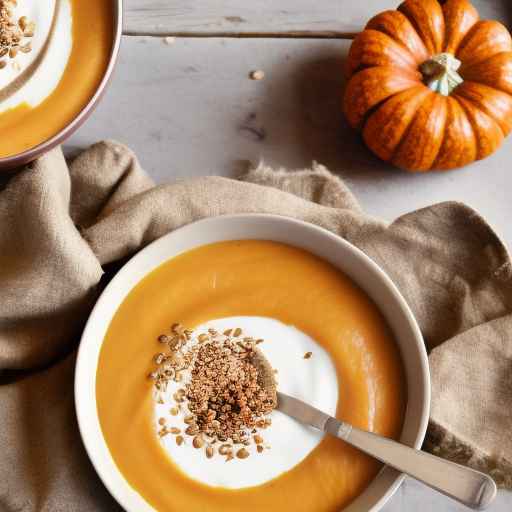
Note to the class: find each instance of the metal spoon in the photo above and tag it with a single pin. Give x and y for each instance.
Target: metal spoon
(471, 488)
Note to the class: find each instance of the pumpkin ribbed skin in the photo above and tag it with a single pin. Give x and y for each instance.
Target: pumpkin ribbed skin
(406, 122)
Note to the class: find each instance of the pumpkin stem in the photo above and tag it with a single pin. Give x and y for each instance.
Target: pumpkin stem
(440, 73)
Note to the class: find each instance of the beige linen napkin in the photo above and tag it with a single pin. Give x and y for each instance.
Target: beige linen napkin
(61, 228)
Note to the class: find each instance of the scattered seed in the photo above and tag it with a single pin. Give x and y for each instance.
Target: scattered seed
(225, 449)
(242, 453)
(175, 430)
(189, 420)
(203, 337)
(257, 75)
(237, 332)
(258, 439)
(22, 22)
(174, 344)
(170, 373)
(161, 421)
(174, 411)
(259, 448)
(163, 338)
(179, 440)
(259, 341)
(29, 29)
(227, 332)
(191, 430)
(210, 451)
(198, 442)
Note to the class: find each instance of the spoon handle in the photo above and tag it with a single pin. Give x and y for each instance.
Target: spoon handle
(470, 487)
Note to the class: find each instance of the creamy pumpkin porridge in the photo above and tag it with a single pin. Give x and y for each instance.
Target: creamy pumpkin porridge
(53, 55)
(181, 408)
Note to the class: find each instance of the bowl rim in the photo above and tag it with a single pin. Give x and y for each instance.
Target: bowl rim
(121, 488)
(11, 162)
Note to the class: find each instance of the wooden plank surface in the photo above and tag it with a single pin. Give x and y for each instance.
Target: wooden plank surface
(268, 17)
(190, 109)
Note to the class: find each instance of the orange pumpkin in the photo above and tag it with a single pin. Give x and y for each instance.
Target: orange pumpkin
(431, 85)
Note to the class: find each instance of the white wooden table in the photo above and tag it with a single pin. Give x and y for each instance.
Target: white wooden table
(187, 107)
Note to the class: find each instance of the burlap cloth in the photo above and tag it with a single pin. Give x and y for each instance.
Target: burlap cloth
(61, 228)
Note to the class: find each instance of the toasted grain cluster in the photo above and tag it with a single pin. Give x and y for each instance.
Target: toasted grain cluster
(224, 393)
(224, 398)
(13, 34)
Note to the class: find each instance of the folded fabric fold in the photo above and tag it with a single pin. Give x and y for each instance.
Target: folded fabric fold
(62, 225)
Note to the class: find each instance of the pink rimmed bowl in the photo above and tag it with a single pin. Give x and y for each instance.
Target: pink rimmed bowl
(13, 162)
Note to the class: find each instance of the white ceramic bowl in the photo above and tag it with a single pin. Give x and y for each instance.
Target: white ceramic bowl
(13, 162)
(318, 241)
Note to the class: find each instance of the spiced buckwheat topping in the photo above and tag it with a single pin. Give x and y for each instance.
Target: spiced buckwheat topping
(224, 395)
